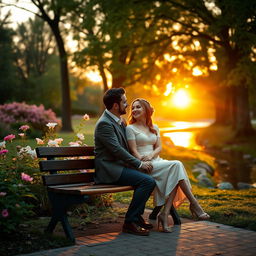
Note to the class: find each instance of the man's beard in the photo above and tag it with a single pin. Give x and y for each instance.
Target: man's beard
(122, 112)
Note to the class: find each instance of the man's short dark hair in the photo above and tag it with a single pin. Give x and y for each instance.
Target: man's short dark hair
(112, 96)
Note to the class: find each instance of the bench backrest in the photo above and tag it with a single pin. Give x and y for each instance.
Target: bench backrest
(59, 159)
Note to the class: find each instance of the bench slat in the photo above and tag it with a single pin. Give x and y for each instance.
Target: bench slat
(63, 165)
(64, 151)
(70, 178)
(90, 190)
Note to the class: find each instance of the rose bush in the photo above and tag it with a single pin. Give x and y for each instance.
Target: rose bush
(20, 179)
(14, 192)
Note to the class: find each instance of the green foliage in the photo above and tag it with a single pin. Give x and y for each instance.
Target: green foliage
(14, 192)
(8, 76)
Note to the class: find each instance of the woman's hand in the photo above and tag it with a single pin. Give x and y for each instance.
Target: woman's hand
(147, 158)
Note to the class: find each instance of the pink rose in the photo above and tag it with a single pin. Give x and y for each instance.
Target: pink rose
(26, 177)
(5, 213)
(9, 137)
(39, 141)
(3, 193)
(24, 128)
(3, 151)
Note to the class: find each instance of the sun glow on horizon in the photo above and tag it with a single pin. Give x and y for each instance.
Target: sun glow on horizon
(94, 76)
(181, 98)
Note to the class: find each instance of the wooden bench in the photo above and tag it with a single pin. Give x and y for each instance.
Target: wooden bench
(69, 179)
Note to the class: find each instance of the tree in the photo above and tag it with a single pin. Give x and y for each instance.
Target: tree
(120, 37)
(229, 27)
(34, 47)
(136, 35)
(52, 11)
(8, 76)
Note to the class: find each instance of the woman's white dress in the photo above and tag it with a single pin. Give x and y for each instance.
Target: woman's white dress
(166, 173)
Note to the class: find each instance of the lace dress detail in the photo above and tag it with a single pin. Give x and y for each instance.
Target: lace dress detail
(167, 173)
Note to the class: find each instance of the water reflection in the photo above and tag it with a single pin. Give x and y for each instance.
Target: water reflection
(180, 125)
(183, 139)
(183, 134)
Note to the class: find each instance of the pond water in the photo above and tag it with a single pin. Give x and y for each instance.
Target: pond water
(232, 167)
(183, 134)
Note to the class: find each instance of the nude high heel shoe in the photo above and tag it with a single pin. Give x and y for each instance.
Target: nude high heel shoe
(200, 216)
(164, 222)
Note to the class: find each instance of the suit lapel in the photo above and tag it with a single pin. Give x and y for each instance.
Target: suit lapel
(119, 128)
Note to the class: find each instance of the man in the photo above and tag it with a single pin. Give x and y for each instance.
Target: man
(115, 165)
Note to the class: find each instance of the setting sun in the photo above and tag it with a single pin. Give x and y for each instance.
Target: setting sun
(181, 98)
(94, 76)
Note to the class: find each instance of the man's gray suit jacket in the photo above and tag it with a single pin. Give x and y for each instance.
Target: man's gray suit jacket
(111, 150)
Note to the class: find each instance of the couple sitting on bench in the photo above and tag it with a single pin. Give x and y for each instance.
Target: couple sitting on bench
(129, 155)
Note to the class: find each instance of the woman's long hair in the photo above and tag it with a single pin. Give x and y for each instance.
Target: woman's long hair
(148, 110)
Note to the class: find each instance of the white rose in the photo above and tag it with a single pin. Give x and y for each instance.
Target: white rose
(51, 125)
(80, 136)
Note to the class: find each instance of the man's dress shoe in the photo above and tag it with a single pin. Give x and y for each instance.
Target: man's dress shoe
(142, 223)
(135, 229)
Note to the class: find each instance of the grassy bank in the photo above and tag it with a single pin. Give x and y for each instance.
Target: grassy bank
(223, 137)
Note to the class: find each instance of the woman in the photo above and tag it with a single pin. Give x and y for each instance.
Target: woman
(173, 185)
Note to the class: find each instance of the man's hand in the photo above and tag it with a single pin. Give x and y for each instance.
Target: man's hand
(146, 167)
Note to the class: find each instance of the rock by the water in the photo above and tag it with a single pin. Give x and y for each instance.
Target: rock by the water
(205, 166)
(244, 185)
(198, 171)
(225, 186)
(205, 181)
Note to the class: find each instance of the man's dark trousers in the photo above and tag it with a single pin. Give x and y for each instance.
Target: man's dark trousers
(144, 185)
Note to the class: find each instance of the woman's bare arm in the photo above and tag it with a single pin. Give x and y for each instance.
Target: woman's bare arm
(133, 149)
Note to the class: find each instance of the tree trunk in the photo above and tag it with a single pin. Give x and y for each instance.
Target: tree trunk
(66, 101)
(103, 76)
(104, 79)
(117, 81)
(220, 102)
(54, 25)
(242, 122)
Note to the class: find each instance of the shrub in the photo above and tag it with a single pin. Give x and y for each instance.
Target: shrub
(13, 188)
(15, 114)
(21, 191)
(5, 129)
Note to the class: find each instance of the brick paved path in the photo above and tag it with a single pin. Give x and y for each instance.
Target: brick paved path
(200, 238)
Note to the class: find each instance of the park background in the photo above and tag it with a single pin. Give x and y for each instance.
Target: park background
(193, 60)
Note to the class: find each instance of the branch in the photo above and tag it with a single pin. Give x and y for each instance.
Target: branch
(19, 7)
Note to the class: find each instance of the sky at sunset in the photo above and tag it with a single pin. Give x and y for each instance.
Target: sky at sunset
(18, 15)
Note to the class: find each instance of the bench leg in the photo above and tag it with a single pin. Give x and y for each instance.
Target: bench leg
(51, 226)
(60, 203)
(67, 228)
(60, 214)
(173, 212)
